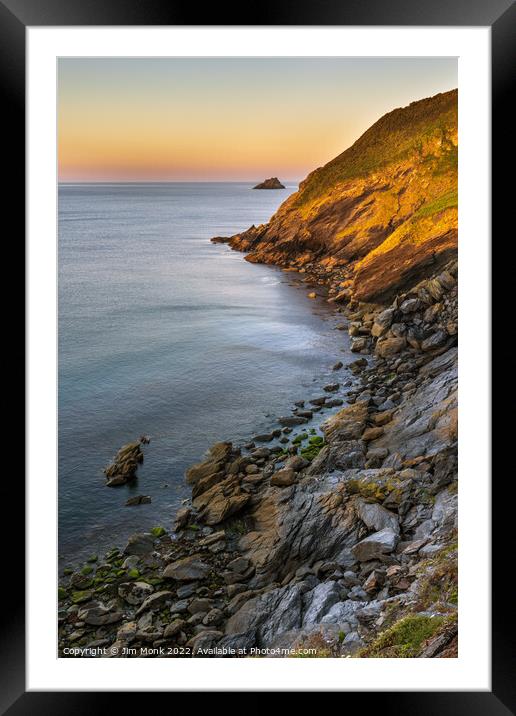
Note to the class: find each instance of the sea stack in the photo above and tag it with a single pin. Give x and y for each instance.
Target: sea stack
(272, 183)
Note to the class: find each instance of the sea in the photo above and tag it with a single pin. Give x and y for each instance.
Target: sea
(164, 334)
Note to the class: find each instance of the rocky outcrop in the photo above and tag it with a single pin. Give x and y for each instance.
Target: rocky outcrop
(272, 183)
(124, 465)
(383, 213)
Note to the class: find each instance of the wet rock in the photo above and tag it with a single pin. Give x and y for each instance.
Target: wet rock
(138, 500)
(260, 452)
(358, 344)
(263, 438)
(291, 420)
(205, 474)
(124, 465)
(182, 518)
(308, 414)
(139, 543)
(333, 403)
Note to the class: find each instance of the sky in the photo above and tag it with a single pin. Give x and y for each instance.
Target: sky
(226, 119)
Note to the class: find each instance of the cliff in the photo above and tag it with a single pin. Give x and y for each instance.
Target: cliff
(385, 210)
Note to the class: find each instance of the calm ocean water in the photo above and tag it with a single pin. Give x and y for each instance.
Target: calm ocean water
(165, 334)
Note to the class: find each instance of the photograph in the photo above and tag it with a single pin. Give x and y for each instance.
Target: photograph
(257, 357)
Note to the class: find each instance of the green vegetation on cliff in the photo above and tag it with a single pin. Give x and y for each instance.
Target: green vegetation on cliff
(385, 210)
(393, 138)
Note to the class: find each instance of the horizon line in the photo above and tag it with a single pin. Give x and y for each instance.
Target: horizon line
(170, 181)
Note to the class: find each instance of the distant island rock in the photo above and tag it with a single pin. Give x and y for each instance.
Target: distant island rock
(272, 183)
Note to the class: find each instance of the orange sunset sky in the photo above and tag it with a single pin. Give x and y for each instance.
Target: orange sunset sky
(226, 119)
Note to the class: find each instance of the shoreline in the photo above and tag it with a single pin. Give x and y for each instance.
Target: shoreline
(265, 424)
(179, 591)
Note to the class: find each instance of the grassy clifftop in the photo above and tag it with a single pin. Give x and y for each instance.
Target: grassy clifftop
(386, 207)
(395, 137)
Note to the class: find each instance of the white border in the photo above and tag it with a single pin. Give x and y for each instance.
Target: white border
(471, 671)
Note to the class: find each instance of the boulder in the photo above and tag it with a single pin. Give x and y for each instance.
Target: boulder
(139, 543)
(283, 478)
(382, 322)
(358, 344)
(319, 601)
(376, 517)
(99, 615)
(376, 545)
(372, 433)
(187, 569)
(291, 420)
(269, 615)
(390, 346)
(206, 471)
(347, 424)
(220, 508)
(436, 340)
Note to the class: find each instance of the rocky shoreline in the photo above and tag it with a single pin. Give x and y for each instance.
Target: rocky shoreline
(335, 543)
(342, 541)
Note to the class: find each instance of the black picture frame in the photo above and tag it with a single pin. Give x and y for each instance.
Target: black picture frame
(15, 17)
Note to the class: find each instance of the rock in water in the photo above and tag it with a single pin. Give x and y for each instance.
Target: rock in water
(272, 183)
(125, 463)
(138, 500)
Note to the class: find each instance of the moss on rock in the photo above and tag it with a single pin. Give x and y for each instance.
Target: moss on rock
(405, 638)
